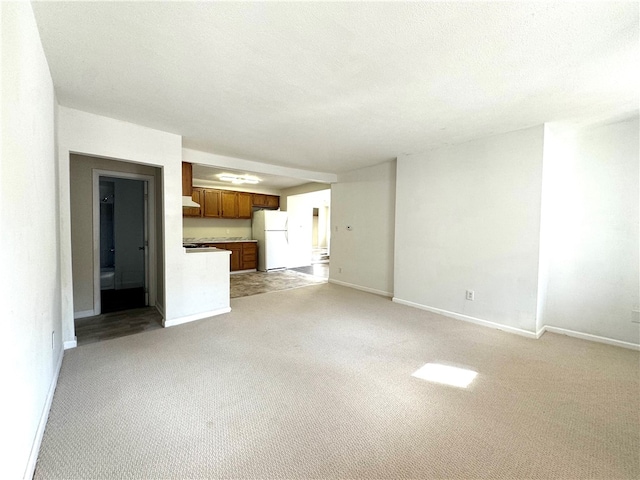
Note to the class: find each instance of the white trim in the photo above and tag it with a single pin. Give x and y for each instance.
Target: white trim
(71, 343)
(592, 338)
(250, 270)
(160, 310)
(467, 318)
(37, 441)
(150, 225)
(194, 317)
(84, 314)
(360, 287)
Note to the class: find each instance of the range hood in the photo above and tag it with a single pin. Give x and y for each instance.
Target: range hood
(187, 202)
(187, 187)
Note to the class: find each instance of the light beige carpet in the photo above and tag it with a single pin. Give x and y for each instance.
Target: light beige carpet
(316, 383)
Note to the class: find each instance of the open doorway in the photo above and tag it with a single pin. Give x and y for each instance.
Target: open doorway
(321, 234)
(123, 217)
(309, 232)
(123, 232)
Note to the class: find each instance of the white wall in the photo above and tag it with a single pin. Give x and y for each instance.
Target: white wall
(365, 200)
(193, 227)
(299, 190)
(29, 242)
(590, 230)
(468, 217)
(94, 135)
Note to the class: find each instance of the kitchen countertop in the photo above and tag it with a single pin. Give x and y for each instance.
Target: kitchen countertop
(200, 241)
(206, 249)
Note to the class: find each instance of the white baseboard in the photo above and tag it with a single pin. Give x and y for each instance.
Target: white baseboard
(592, 338)
(191, 318)
(467, 318)
(71, 343)
(243, 271)
(84, 314)
(160, 310)
(360, 287)
(37, 441)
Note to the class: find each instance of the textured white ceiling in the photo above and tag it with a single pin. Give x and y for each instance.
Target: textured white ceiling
(336, 86)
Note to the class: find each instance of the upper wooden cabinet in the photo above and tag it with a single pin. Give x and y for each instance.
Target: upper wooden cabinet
(229, 202)
(244, 205)
(211, 203)
(196, 195)
(187, 179)
(273, 201)
(267, 201)
(226, 203)
(259, 200)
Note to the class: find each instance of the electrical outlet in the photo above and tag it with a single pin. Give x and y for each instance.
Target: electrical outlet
(471, 295)
(339, 269)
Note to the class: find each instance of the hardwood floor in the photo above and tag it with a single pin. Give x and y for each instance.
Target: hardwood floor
(116, 324)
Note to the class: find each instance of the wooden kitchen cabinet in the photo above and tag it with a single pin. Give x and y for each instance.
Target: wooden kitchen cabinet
(273, 201)
(266, 201)
(210, 203)
(187, 179)
(249, 255)
(244, 205)
(229, 202)
(259, 200)
(196, 196)
(235, 204)
(236, 255)
(244, 255)
(216, 203)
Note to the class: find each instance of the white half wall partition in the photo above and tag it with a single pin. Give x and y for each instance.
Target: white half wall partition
(468, 219)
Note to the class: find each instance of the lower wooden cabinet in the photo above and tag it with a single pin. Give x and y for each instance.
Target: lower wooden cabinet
(244, 255)
(249, 255)
(236, 255)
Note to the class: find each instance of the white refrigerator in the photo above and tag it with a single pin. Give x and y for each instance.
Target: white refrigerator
(269, 228)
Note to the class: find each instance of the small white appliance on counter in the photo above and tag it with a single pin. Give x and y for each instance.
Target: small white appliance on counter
(270, 230)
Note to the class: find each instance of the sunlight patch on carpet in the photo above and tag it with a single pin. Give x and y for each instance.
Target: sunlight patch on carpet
(445, 374)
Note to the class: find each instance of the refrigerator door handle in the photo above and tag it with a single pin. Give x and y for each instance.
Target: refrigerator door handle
(286, 229)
